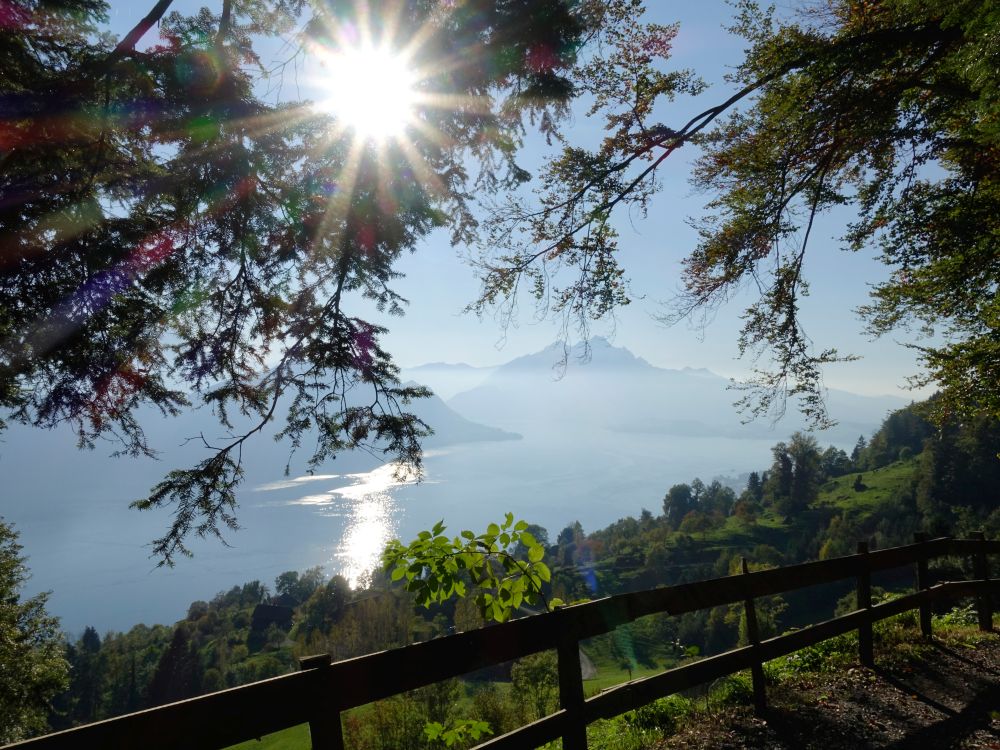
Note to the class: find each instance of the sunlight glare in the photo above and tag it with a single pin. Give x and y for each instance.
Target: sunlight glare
(369, 529)
(371, 90)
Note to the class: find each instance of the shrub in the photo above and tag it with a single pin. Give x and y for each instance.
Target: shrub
(736, 689)
(491, 704)
(662, 714)
(824, 656)
(392, 724)
(958, 615)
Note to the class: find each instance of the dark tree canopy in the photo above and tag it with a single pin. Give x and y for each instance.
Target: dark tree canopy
(171, 237)
(890, 107)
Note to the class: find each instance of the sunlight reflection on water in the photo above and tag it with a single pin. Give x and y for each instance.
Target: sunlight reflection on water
(370, 526)
(370, 513)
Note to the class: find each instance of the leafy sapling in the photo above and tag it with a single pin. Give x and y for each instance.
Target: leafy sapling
(456, 731)
(504, 566)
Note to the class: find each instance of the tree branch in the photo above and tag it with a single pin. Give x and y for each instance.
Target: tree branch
(127, 44)
(225, 22)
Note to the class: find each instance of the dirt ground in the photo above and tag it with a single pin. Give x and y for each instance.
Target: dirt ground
(944, 695)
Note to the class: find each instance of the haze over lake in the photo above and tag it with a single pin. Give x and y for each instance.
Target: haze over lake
(551, 450)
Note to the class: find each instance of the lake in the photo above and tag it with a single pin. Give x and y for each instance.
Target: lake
(91, 550)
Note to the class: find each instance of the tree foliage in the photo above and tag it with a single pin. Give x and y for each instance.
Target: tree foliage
(326, 605)
(888, 107)
(218, 645)
(795, 474)
(33, 668)
(535, 683)
(677, 503)
(298, 587)
(179, 672)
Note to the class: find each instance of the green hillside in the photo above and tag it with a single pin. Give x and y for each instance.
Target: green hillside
(878, 486)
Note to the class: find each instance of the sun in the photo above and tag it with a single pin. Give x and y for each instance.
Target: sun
(370, 90)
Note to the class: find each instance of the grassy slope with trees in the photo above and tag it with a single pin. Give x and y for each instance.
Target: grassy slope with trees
(810, 503)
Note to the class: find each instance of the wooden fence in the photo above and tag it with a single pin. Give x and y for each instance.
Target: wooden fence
(322, 690)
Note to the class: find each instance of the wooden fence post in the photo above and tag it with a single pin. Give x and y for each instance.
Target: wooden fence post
(571, 693)
(866, 652)
(981, 570)
(923, 583)
(324, 726)
(753, 636)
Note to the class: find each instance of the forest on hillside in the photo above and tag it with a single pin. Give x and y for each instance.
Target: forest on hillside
(810, 503)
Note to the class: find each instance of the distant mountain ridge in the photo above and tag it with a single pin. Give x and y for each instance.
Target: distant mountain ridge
(461, 366)
(598, 385)
(597, 352)
(451, 428)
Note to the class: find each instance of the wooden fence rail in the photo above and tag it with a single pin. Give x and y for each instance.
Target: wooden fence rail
(322, 690)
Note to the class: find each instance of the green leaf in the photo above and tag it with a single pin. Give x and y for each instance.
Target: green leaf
(433, 729)
(492, 530)
(478, 728)
(536, 553)
(543, 571)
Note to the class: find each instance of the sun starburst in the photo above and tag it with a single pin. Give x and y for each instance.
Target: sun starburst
(370, 90)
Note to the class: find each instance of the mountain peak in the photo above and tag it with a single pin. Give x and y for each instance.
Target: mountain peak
(594, 354)
(601, 351)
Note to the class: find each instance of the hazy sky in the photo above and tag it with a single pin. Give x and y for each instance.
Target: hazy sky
(438, 284)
